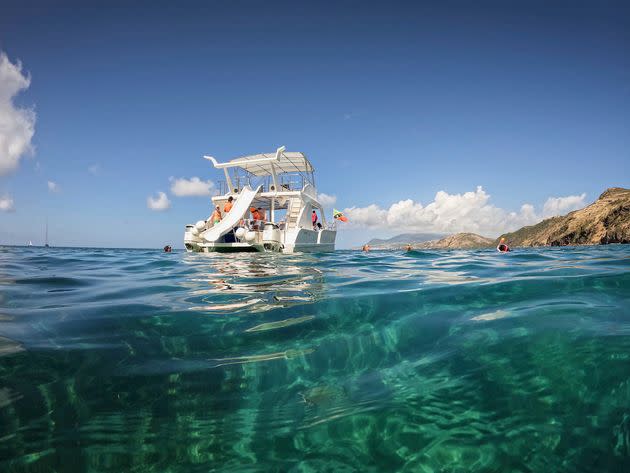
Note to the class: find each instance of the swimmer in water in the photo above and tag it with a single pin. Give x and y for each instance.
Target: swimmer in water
(503, 246)
(366, 248)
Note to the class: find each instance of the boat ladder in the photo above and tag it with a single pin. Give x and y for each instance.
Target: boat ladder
(293, 212)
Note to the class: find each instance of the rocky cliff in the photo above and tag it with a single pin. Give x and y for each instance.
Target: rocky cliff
(607, 220)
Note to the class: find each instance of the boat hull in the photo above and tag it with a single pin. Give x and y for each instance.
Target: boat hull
(303, 241)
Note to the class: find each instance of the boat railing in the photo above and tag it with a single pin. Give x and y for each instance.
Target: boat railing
(223, 188)
(291, 183)
(284, 185)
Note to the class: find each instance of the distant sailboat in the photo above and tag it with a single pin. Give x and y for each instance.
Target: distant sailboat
(46, 245)
(30, 243)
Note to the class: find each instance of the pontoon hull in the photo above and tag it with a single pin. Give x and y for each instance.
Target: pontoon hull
(222, 248)
(304, 241)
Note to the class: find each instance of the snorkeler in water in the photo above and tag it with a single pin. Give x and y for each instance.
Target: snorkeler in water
(503, 246)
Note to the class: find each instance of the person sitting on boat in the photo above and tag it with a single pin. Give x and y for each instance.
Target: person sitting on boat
(255, 217)
(216, 215)
(261, 214)
(228, 205)
(314, 220)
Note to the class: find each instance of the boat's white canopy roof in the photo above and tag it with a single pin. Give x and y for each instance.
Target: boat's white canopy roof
(261, 164)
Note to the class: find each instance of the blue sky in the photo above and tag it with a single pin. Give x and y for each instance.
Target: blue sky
(393, 102)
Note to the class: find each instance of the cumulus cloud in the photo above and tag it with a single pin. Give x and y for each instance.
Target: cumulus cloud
(561, 205)
(371, 216)
(17, 125)
(53, 186)
(451, 213)
(94, 169)
(327, 200)
(182, 187)
(160, 202)
(6, 204)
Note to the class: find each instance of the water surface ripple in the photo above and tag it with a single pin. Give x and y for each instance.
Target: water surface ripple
(454, 361)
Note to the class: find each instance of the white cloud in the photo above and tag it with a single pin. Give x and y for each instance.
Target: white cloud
(94, 169)
(327, 200)
(182, 187)
(371, 216)
(17, 125)
(160, 202)
(6, 204)
(451, 213)
(562, 205)
(53, 186)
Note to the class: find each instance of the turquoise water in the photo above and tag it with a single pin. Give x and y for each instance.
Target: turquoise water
(455, 361)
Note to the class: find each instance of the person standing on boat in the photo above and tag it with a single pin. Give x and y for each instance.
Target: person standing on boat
(314, 220)
(228, 205)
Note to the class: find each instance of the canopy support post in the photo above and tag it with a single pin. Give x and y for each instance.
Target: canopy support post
(273, 210)
(228, 181)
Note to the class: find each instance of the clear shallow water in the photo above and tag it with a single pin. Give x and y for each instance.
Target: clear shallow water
(460, 361)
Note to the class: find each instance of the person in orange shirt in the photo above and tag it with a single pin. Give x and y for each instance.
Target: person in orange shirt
(255, 218)
(261, 214)
(228, 205)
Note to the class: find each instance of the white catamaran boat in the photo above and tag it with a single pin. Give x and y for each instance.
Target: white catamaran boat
(282, 185)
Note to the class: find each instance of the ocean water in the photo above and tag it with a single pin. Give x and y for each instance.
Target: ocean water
(454, 361)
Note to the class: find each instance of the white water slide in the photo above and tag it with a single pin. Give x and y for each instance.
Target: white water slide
(232, 218)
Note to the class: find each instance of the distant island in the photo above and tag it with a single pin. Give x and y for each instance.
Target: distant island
(607, 220)
(458, 240)
(399, 241)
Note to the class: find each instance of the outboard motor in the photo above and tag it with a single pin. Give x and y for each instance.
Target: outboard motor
(272, 237)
